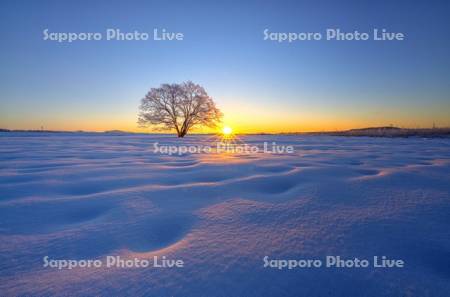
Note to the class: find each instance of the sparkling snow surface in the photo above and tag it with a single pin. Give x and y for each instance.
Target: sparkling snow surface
(86, 196)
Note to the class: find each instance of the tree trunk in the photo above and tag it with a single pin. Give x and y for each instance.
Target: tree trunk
(183, 131)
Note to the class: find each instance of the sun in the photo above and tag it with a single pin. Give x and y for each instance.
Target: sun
(227, 130)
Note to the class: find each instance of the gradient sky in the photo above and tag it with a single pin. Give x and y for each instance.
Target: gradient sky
(261, 86)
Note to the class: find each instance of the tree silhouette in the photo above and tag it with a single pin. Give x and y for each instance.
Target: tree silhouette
(178, 107)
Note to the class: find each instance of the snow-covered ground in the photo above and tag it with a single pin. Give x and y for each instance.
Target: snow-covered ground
(87, 196)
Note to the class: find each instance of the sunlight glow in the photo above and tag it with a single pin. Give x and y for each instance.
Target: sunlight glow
(227, 130)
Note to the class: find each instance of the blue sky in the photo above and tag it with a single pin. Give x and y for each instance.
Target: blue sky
(260, 85)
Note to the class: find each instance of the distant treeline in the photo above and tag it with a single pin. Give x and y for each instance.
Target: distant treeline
(370, 132)
(390, 132)
(55, 131)
(38, 131)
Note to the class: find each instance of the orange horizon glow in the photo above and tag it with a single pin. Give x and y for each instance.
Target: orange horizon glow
(249, 120)
(238, 127)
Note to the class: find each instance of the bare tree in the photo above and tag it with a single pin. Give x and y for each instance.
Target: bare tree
(178, 107)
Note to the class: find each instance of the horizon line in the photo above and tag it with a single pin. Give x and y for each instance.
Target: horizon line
(213, 133)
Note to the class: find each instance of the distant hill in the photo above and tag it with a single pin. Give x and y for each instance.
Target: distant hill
(116, 132)
(392, 132)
